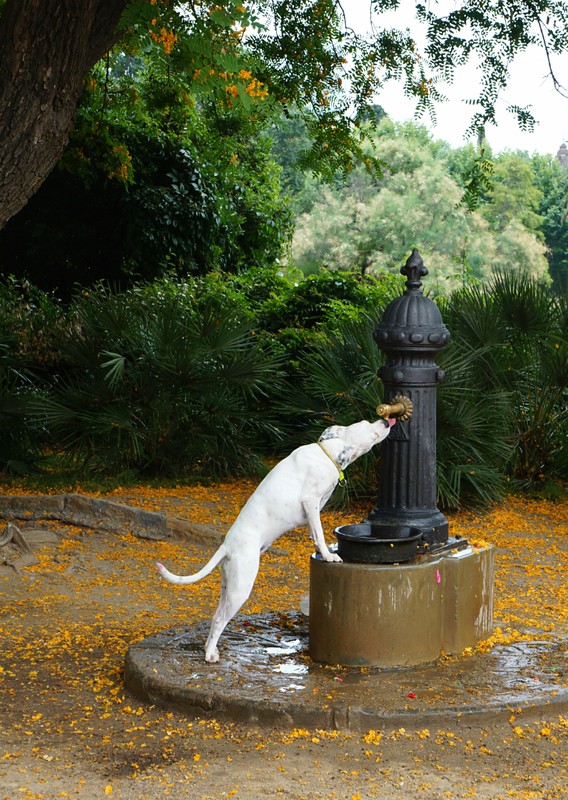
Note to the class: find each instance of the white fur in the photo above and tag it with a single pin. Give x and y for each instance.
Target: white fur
(291, 495)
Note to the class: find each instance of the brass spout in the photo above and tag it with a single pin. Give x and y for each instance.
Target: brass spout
(400, 406)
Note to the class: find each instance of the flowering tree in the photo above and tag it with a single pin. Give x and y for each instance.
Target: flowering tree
(281, 52)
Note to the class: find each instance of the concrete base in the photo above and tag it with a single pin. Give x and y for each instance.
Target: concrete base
(400, 615)
(265, 677)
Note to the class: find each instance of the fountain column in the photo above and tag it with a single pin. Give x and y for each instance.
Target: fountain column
(411, 333)
(405, 591)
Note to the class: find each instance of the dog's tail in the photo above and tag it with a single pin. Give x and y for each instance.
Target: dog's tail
(209, 567)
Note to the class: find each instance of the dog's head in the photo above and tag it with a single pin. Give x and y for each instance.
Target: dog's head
(360, 437)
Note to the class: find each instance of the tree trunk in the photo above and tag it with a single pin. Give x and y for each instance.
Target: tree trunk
(46, 46)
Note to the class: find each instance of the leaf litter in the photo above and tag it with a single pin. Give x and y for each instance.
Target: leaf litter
(69, 729)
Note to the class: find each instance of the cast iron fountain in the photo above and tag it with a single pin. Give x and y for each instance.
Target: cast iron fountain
(405, 590)
(405, 520)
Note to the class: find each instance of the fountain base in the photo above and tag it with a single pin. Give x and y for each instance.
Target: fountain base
(400, 615)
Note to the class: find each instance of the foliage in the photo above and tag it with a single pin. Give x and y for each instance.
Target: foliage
(170, 158)
(341, 387)
(326, 298)
(513, 336)
(370, 225)
(537, 338)
(551, 179)
(262, 58)
(189, 191)
(281, 318)
(521, 194)
(495, 33)
(502, 408)
(16, 448)
(349, 69)
(204, 375)
(309, 310)
(147, 384)
(29, 319)
(474, 433)
(513, 195)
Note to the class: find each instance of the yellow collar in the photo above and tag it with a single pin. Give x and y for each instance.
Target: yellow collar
(336, 464)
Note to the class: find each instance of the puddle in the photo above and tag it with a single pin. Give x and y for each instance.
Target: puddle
(520, 664)
(291, 668)
(292, 647)
(292, 687)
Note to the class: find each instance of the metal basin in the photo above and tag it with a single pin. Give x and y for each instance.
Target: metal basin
(368, 543)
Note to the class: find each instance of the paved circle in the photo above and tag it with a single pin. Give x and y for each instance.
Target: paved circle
(265, 676)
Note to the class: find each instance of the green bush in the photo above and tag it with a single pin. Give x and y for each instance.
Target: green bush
(502, 409)
(28, 318)
(131, 200)
(17, 450)
(328, 298)
(512, 332)
(151, 384)
(206, 375)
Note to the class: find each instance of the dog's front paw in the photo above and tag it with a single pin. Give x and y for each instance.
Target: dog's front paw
(212, 657)
(332, 557)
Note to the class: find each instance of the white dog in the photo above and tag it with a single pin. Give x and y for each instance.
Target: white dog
(291, 495)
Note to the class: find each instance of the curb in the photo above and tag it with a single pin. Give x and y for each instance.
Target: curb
(95, 512)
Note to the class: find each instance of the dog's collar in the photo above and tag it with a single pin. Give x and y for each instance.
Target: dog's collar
(336, 464)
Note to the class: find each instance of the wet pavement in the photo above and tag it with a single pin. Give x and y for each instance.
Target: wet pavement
(265, 676)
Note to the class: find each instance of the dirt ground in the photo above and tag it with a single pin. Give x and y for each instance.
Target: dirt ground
(69, 729)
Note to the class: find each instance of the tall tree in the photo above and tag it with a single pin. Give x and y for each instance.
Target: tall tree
(371, 224)
(551, 177)
(297, 51)
(514, 194)
(46, 48)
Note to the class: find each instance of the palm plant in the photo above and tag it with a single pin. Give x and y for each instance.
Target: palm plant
(18, 446)
(537, 341)
(512, 335)
(502, 407)
(474, 439)
(152, 384)
(341, 387)
(474, 434)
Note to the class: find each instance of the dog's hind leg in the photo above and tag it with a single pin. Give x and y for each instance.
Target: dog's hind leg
(237, 579)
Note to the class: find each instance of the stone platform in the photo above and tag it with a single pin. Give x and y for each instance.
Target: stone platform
(266, 677)
(401, 615)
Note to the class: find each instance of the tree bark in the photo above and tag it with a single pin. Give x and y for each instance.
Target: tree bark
(46, 47)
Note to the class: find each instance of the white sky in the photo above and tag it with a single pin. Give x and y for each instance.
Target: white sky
(528, 86)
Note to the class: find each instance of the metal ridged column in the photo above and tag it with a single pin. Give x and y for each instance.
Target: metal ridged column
(411, 333)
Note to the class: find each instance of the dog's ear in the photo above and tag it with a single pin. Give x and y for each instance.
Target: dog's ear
(334, 432)
(344, 458)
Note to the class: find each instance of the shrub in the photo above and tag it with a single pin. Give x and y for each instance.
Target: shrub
(502, 409)
(151, 384)
(28, 318)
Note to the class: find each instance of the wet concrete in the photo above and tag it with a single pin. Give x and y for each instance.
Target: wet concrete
(265, 676)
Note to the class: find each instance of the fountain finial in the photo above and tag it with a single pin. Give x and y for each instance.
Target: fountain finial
(414, 269)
